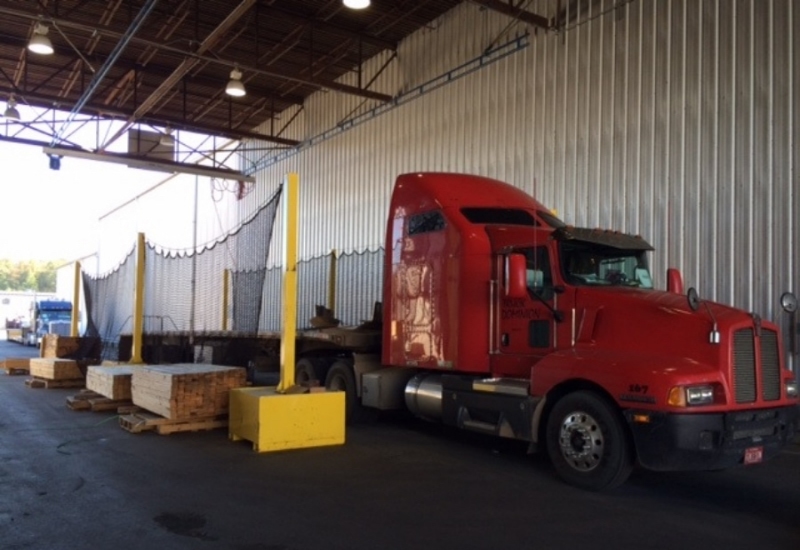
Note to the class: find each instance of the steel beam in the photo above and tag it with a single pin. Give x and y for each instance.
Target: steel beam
(100, 75)
(186, 65)
(51, 102)
(145, 163)
(329, 85)
(517, 13)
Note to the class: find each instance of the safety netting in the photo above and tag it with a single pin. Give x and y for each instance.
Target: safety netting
(109, 304)
(184, 290)
(359, 285)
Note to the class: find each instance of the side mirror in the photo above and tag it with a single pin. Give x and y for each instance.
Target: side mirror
(674, 281)
(789, 302)
(515, 276)
(789, 305)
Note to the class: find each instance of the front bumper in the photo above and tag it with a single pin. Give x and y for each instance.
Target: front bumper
(710, 441)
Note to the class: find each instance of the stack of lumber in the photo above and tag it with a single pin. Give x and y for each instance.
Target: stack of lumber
(110, 382)
(185, 391)
(82, 348)
(54, 345)
(12, 365)
(55, 369)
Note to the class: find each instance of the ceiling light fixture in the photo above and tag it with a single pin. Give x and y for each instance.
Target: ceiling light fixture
(11, 110)
(356, 4)
(235, 86)
(39, 42)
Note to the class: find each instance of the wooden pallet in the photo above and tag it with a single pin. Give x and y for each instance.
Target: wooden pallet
(11, 371)
(14, 366)
(88, 400)
(143, 422)
(80, 401)
(37, 382)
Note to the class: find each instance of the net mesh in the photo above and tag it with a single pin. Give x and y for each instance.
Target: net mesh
(184, 290)
(109, 305)
(359, 285)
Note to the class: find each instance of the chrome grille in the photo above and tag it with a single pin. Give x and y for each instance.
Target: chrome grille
(770, 367)
(744, 366)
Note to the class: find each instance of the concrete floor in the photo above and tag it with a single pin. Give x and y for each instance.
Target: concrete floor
(72, 480)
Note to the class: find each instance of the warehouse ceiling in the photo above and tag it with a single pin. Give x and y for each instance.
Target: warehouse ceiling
(166, 63)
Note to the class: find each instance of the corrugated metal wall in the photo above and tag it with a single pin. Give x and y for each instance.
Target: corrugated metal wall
(675, 119)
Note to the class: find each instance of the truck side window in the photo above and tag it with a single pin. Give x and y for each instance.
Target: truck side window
(539, 273)
(426, 222)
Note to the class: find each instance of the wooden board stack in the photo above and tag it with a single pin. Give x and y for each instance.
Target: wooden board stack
(54, 345)
(55, 369)
(110, 382)
(15, 365)
(185, 391)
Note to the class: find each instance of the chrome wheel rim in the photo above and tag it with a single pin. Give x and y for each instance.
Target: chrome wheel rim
(581, 441)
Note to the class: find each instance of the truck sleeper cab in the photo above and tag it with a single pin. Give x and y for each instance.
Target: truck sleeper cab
(500, 319)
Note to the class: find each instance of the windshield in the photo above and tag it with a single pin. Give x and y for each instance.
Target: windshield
(52, 316)
(587, 264)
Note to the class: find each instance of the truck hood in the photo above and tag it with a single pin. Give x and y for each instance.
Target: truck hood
(655, 322)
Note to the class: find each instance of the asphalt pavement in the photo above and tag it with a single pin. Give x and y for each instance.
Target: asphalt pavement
(73, 480)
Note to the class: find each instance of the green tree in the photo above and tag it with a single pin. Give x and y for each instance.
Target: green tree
(28, 275)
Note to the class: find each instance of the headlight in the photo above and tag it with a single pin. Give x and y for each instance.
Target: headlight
(690, 396)
(699, 395)
(791, 388)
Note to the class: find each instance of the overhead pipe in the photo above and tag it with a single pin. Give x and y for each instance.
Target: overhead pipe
(101, 73)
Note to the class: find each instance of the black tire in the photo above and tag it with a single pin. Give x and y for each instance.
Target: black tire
(342, 378)
(310, 371)
(588, 443)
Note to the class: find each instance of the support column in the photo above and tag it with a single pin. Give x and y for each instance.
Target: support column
(226, 283)
(291, 209)
(138, 302)
(76, 301)
(332, 284)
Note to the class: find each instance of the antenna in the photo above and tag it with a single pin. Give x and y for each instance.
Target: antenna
(694, 304)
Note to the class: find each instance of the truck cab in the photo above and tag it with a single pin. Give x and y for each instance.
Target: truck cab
(511, 323)
(48, 316)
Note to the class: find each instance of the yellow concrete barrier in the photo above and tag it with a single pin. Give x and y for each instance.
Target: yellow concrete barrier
(275, 421)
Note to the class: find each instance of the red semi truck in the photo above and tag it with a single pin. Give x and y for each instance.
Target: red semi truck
(500, 319)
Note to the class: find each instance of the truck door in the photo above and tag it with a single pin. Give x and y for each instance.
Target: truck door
(527, 325)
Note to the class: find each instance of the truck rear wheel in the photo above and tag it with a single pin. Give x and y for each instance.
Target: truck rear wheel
(587, 442)
(341, 378)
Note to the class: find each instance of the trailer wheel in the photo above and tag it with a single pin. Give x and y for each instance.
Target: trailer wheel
(341, 378)
(587, 442)
(310, 370)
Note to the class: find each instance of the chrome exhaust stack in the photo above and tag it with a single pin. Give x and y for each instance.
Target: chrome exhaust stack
(423, 395)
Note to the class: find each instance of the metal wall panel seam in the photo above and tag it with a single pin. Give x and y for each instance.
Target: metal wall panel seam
(794, 138)
(620, 216)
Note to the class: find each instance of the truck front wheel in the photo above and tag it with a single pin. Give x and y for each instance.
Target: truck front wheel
(587, 442)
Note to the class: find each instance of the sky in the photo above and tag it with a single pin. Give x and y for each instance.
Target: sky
(53, 214)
